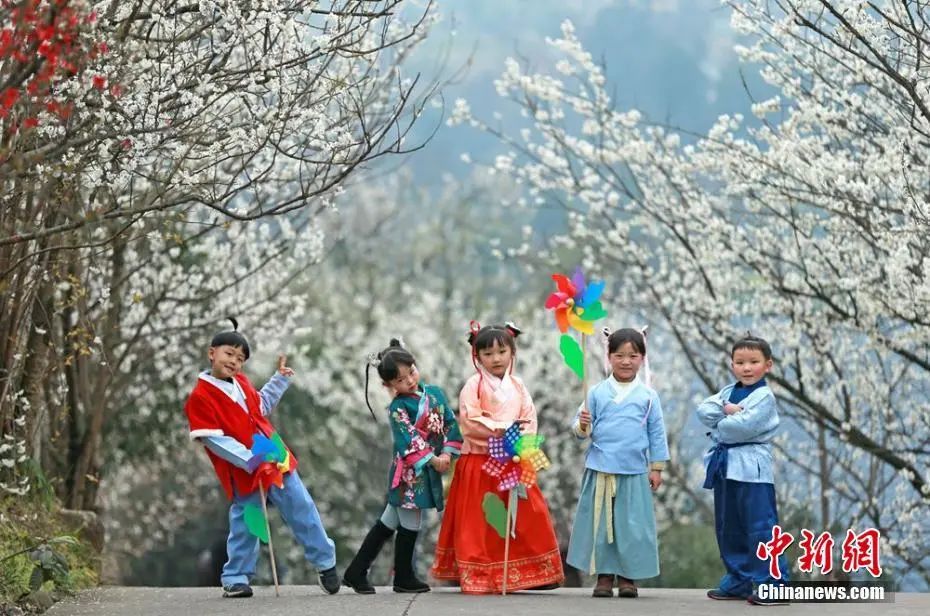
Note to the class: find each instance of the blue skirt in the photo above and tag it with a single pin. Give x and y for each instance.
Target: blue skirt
(634, 552)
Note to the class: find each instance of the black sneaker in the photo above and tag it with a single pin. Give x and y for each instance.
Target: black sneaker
(754, 599)
(719, 595)
(329, 581)
(237, 591)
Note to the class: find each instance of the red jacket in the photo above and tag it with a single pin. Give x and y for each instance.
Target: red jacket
(211, 412)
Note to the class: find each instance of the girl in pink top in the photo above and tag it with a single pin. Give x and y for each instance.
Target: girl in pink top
(469, 550)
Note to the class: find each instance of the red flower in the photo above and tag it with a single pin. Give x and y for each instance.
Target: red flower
(100, 82)
(9, 97)
(30, 122)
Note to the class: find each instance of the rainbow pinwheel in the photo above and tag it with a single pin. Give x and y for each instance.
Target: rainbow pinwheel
(515, 458)
(577, 305)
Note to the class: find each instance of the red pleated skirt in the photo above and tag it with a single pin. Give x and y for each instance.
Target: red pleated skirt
(471, 552)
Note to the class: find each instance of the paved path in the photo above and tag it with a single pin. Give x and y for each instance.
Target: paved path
(310, 601)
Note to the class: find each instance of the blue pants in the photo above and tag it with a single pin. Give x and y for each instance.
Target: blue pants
(744, 514)
(300, 514)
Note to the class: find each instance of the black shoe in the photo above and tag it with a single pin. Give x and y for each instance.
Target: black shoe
(719, 595)
(329, 581)
(405, 579)
(237, 591)
(356, 574)
(754, 599)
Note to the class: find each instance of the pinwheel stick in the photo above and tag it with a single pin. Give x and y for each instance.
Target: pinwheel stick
(274, 568)
(510, 505)
(584, 381)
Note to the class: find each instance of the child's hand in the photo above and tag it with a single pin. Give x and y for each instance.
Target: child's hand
(655, 480)
(584, 420)
(282, 366)
(731, 409)
(441, 463)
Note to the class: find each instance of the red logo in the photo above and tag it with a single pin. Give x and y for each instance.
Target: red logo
(861, 551)
(771, 550)
(816, 552)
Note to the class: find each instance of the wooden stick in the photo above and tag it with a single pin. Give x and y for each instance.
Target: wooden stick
(507, 540)
(584, 381)
(274, 568)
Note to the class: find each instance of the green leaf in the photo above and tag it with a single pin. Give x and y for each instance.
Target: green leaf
(255, 521)
(495, 513)
(571, 353)
(594, 312)
(64, 539)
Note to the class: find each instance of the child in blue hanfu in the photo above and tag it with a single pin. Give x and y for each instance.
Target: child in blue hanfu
(743, 418)
(426, 439)
(614, 532)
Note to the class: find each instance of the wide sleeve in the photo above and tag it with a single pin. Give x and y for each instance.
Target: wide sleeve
(655, 425)
(710, 411)
(202, 417)
(527, 410)
(452, 439)
(409, 444)
(231, 450)
(271, 393)
(758, 419)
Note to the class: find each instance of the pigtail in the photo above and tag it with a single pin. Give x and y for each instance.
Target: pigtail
(605, 336)
(473, 328)
(234, 322)
(647, 373)
(374, 359)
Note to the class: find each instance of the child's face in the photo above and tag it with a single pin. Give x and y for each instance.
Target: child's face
(406, 382)
(625, 362)
(226, 360)
(750, 365)
(496, 359)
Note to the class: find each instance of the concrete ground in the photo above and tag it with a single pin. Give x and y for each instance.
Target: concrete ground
(311, 601)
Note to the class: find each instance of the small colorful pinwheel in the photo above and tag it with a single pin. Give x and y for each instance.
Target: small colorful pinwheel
(576, 303)
(515, 458)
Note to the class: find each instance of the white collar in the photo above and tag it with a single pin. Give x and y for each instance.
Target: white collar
(622, 390)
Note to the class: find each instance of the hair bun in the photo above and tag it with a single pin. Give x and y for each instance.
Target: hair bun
(512, 328)
(397, 343)
(473, 328)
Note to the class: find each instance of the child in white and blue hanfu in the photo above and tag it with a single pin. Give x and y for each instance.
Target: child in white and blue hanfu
(614, 532)
(743, 418)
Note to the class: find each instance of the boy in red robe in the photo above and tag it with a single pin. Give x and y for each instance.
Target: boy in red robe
(225, 412)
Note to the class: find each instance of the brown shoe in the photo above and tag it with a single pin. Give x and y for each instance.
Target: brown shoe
(604, 586)
(626, 588)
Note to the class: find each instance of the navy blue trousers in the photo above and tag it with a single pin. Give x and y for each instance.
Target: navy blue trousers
(744, 514)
